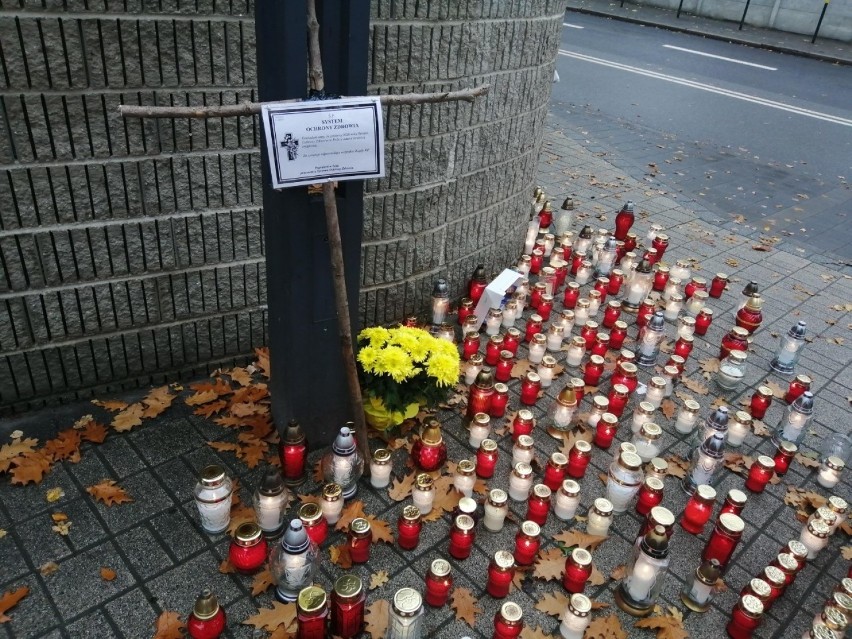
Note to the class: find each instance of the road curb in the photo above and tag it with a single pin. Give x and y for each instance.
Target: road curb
(713, 36)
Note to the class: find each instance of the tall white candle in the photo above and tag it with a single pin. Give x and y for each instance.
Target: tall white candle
(641, 581)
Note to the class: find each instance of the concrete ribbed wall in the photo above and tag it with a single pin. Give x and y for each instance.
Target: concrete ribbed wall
(132, 251)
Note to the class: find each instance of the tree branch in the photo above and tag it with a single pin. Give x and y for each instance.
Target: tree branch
(252, 108)
(316, 74)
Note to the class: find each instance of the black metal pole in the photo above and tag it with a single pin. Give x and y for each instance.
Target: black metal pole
(745, 11)
(308, 381)
(819, 22)
(679, 7)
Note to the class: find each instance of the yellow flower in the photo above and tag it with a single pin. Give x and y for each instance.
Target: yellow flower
(443, 347)
(377, 335)
(395, 362)
(367, 356)
(443, 368)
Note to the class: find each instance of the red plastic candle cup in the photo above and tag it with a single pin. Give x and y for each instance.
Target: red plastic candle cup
(724, 539)
(499, 400)
(698, 510)
(538, 504)
(717, 286)
(408, 528)
(359, 540)
(650, 495)
(578, 569)
(578, 459)
(486, 459)
(439, 583)
(248, 550)
(784, 454)
(461, 537)
(554, 471)
(760, 474)
(527, 543)
(501, 571)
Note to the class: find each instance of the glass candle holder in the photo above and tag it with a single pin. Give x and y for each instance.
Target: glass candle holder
(501, 571)
(423, 493)
(461, 537)
(599, 518)
(207, 619)
(567, 500)
(479, 429)
(530, 388)
(429, 451)
(694, 304)
(760, 474)
(656, 391)
(562, 412)
(605, 430)
(828, 475)
(705, 463)
(581, 312)
(687, 417)
(520, 482)
(213, 499)
(624, 481)
(673, 307)
(578, 459)
(593, 370)
(554, 470)
(578, 569)
(293, 562)
(732, 371)
(270, 502)
(313, 522)
(464, 477)
(699, 591)
(738, 428)
(359, 540)
(576, 352)
(814, 536)
(724, 539)
(698, 510)
(793, 427)
(486, 459)
(650, 338)
(527, 543)
(642, 414)
(406, 616)
(745, 618)
(248, 550)
(343, 464)
(645, 574)
(797, 388)
(508, 622)
(760, 402)
(735, 502)
(576, 618)
(538, 504)
(648, 441)
(547, 370)
(312, 613)
(555, 336)
(650, 495)
(380, 468)
(600, 404)
(332, 502)
(347, 606)
(584, 273)
(496, 509)
(787, 355)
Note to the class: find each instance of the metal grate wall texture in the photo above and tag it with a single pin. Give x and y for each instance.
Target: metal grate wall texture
(131, 252)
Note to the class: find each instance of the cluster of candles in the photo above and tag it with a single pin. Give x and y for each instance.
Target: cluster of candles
(636, 471)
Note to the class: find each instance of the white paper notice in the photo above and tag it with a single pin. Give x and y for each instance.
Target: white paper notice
(324, 140)
(495, 293)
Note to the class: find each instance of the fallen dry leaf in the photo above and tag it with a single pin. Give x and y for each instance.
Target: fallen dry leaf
(378, 579)
(463, 602)
(846, 552)
(678, 466)
(401, 488)
(29, 468)
(668, 408)
(109, 493)
(777, 391)
(549, 564)
(261, 582)
(376, 619)
(667, 626)
(48, 568)
(226, 567)
(10, 599)
(807, 460)
(17, 447)
(240, 514)
(597, 577)
(608, 627)
(108, 574)
(270, 619)
(553, 603)
(65, 446)
(572, 538)
(54, 494)
(521, 368)
(709, 366)
(128, 418)
(695, 386)
(112, 405)
(157, 401)
(759, 428)
(168, 626)
(618, 573)
(94, 432)
(339, 555)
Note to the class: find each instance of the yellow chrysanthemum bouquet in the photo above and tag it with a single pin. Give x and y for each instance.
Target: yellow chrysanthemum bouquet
(402, 369)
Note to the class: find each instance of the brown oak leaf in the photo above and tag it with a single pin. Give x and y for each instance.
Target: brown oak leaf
(709, 366)
(777, 391)
(48, 568)
(340, 555)
(157, 401)
(208, 410)
(667, 626)
(572, 538)
(807, 460)
(128, 418)
(94, 432)
(16, 447)
(65, 446)
(668, 408)
(109, 493)
(262, 362)
(846, 552)
(168, 626)
(677, 466)
(240, 375)
(553, 603)
(618, 573)
(521, 368)
(10, 599)
(379, 578)
(261, 582)
(376, 619)
(112, 405)
(759, 428)
(401, 488)
(463, 603)
(29, 467)
(270, 619)
(695, 386)
(240, 514)
(549, 564)
(608, 627)
(202, 397)
(597, 578)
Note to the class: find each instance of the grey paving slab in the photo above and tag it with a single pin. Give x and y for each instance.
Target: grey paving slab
(92, 626)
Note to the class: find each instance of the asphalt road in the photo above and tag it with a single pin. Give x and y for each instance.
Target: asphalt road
(743, 131)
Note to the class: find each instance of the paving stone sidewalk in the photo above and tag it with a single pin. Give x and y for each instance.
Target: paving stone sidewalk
(782, 41)
(162, 559)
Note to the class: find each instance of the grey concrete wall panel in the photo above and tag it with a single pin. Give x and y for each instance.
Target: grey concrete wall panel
(132, 251)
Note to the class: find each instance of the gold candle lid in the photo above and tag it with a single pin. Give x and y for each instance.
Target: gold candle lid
(465, 467)
(531, 529)
(651, 430)
(498, 497)
(522, 470)
(411, 513)
(706, 493)
(331, 492)
(310, 513)
(311, 599)
(525, 442)
(654, 484)
(603, 506)
(423, 482)
(381, 456)
(359, 526)
(658, 466)
(504, 560)
(212, 476)
(348, 586)
(488, 445)
(760, 588)
(542, 492)
(731, 522)
(570, 488)
(464, 522)
(440, 567)
(511, 612)
(582, 446)
(580, 605)
(558, 460)
(581, 557)
(752, 605)
(407, 602)
(737, 497)
(247, 534)
(206, 605)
